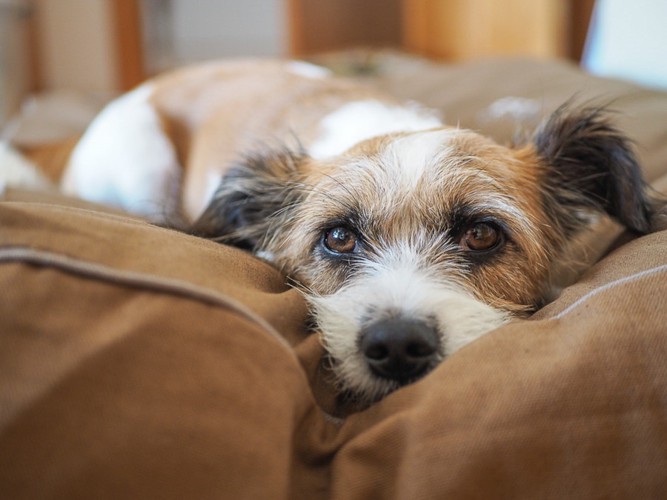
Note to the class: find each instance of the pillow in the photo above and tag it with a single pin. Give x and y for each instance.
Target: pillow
(138, 361)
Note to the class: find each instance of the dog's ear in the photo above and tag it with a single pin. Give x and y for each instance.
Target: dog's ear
(250, 196)
(591, 165)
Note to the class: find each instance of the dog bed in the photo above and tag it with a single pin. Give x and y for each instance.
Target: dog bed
(137, 361)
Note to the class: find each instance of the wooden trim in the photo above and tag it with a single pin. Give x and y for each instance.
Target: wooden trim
(295, 28)
(317, 26)
(467, 29)
(129, 49)
(581, 13)
(36, 78)
(415, 31)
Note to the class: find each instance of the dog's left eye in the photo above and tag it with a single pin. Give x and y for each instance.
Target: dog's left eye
(340, 240)
(480, 237)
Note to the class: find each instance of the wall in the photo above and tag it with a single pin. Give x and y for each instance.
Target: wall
(629, 41)
(14, 61)
(220, 28)
(178, 32)
(75, 45)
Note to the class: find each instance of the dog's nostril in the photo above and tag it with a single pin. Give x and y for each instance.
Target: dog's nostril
(400, 349)
(420, 349)
(376, 351)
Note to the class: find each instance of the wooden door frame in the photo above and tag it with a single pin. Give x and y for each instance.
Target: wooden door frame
(575, 31)
(128, 43)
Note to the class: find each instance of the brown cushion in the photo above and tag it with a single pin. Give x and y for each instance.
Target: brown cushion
(139, 361)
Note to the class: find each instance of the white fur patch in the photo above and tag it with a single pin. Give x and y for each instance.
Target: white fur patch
(308, 70)
(361, 120)
(124, 158)
(213, 181)
(397, 285)
(410, 156)
(17, 172)
(514, 108)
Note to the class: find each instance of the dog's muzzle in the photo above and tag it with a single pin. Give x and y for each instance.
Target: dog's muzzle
(400, 349)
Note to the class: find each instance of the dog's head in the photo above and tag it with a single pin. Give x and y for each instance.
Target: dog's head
(410, 245)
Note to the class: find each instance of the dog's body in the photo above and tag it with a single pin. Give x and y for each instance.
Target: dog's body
(184, 129)
(408, 238)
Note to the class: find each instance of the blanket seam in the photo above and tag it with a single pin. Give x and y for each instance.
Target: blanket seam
(138, 280)
(608, 286)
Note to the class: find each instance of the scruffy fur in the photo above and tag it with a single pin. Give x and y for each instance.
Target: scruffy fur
(408, 238)
(409, 260)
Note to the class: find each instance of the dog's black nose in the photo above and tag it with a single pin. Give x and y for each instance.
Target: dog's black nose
(399, 349)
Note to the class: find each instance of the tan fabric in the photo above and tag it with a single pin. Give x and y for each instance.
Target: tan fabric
(137, 362)
(466, 92)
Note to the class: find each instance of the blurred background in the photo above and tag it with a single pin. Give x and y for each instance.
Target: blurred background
(82, 52)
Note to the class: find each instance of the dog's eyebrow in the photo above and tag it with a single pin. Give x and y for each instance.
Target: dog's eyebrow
(484, 204)
(351, 219)
(500, 206)
(482, 212)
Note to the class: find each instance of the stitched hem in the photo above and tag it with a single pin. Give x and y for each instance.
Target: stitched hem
(138, 280)
(608, 286)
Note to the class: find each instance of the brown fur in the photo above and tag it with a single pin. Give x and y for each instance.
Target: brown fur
(309, 197)
(251, 104)
(407, 198)
(283, 205)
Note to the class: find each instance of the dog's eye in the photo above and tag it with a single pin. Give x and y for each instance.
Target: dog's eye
(480, 237)
(340, 240)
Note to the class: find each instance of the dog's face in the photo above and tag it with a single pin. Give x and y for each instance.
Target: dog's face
(410, 245)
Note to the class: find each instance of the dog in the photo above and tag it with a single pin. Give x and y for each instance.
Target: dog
(409, 238)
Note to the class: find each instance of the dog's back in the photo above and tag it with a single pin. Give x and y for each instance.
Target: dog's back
(186, 127)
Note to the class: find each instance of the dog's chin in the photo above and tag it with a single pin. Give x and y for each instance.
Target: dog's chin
(365, 391)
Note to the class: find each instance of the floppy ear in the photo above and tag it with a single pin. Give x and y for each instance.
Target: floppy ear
(591, 165)
(249, 197)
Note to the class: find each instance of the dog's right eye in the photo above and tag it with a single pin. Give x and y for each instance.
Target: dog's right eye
(481, 237)
(340, 240)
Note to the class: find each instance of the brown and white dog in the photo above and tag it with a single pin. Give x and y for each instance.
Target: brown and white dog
(408, 238)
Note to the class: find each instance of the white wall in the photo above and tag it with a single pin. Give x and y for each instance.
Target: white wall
(628, 40)
(208, 29)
